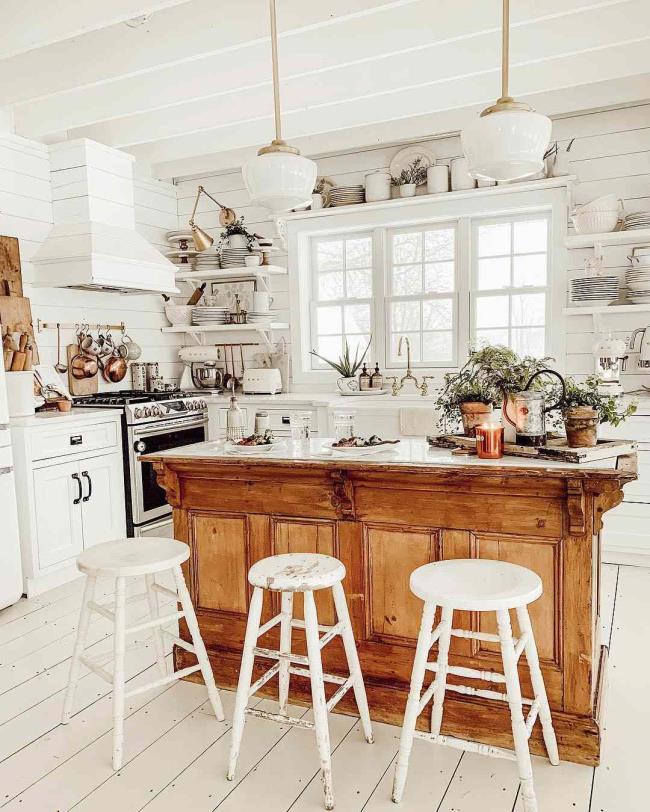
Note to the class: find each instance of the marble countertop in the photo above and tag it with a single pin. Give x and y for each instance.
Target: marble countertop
(75, 415)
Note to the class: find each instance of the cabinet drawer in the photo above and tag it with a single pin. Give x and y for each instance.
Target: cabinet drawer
(57, 442)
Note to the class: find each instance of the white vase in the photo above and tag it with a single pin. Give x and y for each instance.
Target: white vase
(407, 190)
(348, 384)
(437, 179)
(316, 201)
(238, 241)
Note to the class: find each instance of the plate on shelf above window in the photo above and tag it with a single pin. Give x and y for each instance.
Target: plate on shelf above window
(406, 156)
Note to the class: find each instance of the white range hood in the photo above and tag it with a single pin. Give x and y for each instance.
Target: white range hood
(93, 244)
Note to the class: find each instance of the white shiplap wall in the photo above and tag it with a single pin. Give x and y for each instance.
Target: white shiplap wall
(26, 213)
(611, 154)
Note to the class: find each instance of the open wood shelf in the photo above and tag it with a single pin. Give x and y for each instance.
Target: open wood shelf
(230, 274)
(635, 236)
(603, 309)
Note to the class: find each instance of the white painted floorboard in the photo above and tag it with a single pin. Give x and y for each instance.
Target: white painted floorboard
(176, 751)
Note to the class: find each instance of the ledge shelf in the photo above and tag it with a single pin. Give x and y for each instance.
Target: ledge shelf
(632, 237)
(602, 310)
(200, 333)
(256, 273)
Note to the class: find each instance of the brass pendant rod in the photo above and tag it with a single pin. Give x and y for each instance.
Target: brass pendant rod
(276, 75)
(505, 49)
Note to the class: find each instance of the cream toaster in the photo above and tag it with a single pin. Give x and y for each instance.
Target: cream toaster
(267, 381)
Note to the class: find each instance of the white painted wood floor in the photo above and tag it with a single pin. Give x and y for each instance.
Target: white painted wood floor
(176, 751)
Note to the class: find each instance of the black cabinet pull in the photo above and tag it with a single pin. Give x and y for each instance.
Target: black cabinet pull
(78, 499)
(90, 486)
(286, 420)
(76, 439)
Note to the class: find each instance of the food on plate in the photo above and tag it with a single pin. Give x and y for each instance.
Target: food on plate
(257, 439)
(361, 442)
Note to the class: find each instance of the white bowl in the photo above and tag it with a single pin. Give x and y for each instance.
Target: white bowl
(604, 203)
(179, 314)
(596, 222)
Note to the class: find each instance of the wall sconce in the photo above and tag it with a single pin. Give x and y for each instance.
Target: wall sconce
(202, 240)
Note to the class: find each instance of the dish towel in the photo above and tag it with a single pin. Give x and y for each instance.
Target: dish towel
(416, 421)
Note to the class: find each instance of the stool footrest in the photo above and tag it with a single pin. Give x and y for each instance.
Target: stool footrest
(177, 641)
(466, 744)
(102, 610)
(97, 669)
(168, 593)
(184, 672)
(274, 654)
(157, 621)
(280, 717)
(471, 673)
(268, 625)
(304, 672)
(532, 717)
(266, 676)
(336, 697)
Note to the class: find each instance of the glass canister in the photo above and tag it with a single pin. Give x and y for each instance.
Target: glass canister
(139, 376)
(262, 422)
(343, 425)
(152, 371)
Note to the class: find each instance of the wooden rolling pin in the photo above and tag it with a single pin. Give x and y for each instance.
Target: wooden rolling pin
(194, 298)
(20, 355)
(8, 349)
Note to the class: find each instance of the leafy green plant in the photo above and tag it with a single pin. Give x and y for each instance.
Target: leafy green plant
(237, 227)
(415, 173)
(587, 394)
(346, 366)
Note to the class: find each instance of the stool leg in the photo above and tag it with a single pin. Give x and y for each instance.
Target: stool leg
(245, 674)
(318, 697)
(352, 657)
(154, 612)
(79, 646)
(197, 642)
(286, 613)
(413, 702)
(538, 686)
(443, 663)
(519, 733)
(119, 645)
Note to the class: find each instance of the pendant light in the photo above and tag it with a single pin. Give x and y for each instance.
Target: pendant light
(508, 140)
(279, 178)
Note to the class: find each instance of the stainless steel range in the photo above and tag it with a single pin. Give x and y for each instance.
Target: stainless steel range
(151, 422)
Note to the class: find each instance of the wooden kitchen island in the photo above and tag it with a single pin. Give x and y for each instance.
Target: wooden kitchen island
(383, 516)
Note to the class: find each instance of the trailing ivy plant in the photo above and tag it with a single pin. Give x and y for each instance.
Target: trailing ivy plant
(587, 394)
(237, 227)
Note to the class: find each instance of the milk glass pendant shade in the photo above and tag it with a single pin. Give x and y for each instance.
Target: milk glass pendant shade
(508, 140)
(279, 177)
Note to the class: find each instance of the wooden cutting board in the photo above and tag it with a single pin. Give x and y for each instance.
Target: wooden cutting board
(11, 281)
(16, 316)
(83, 386)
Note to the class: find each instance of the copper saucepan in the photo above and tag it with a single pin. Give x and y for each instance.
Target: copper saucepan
(115, 368)
(83, 366)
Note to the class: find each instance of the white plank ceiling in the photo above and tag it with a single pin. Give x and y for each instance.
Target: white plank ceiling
(186, 88)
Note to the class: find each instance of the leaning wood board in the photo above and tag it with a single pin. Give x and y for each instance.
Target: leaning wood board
(11, 282)
(555, 449)
(80, 386)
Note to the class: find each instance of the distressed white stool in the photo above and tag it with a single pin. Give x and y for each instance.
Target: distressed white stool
(477, 585)
(120, 560)
(290, 573)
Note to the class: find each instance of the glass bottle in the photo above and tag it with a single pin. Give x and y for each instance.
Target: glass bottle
(376, 379)
(234, 421)
(364, 379)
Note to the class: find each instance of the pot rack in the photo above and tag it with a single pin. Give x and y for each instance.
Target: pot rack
(56, 325)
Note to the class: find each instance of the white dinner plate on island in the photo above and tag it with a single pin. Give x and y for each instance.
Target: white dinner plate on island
(364, 393)
(235, 448)
(362, 449)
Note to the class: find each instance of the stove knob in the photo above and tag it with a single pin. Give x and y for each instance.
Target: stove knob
(202, 404)
(156, 411)
(139, 446)
(147, 411)
(137, 413)
(191, 405)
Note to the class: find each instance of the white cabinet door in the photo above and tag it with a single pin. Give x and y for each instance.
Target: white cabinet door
(57, 504)
(102, 505)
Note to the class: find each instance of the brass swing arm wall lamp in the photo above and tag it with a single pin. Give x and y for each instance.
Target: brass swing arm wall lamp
(202, 240)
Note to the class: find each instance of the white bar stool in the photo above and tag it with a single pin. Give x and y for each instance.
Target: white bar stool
(290, 573)
(477, 585)
(120, 560)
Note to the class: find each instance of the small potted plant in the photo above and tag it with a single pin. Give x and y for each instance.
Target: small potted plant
(467, 397)
(346, 366)
(584, 408)
(237, 235)
(410, 178)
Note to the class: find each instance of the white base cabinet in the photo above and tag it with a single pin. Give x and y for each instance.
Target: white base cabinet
(70, 487)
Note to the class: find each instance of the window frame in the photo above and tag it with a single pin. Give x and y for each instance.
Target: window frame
(548, 196)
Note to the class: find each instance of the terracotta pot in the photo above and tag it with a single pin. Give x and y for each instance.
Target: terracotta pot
(473, 414)
(581, 425)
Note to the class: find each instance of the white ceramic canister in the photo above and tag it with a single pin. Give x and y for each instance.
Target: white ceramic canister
(316, 201)
(20, 393)
(377, 186)
(460, 177)
(437, 179)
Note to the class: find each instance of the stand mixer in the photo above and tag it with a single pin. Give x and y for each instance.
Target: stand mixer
(611, 360)
(200, 368)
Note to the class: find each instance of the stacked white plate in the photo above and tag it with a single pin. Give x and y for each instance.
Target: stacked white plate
(347, 195)
(209, 315)
(637, 280)
(594, 290)
(258, 317)
(234, 257)
(207, 260)
(636, 220)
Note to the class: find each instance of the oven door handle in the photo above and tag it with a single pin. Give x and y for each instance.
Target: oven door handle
(161, 428)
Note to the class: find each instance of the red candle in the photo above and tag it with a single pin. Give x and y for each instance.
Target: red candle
(489, 442)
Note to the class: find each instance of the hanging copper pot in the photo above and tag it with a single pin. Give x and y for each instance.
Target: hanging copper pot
(115, 368)
(83, 366)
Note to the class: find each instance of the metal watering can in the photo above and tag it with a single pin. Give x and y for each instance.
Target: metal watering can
(530, 411)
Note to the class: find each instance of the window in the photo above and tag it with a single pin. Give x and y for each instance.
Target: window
(341, 295)
(510, 282)
(420, 296)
